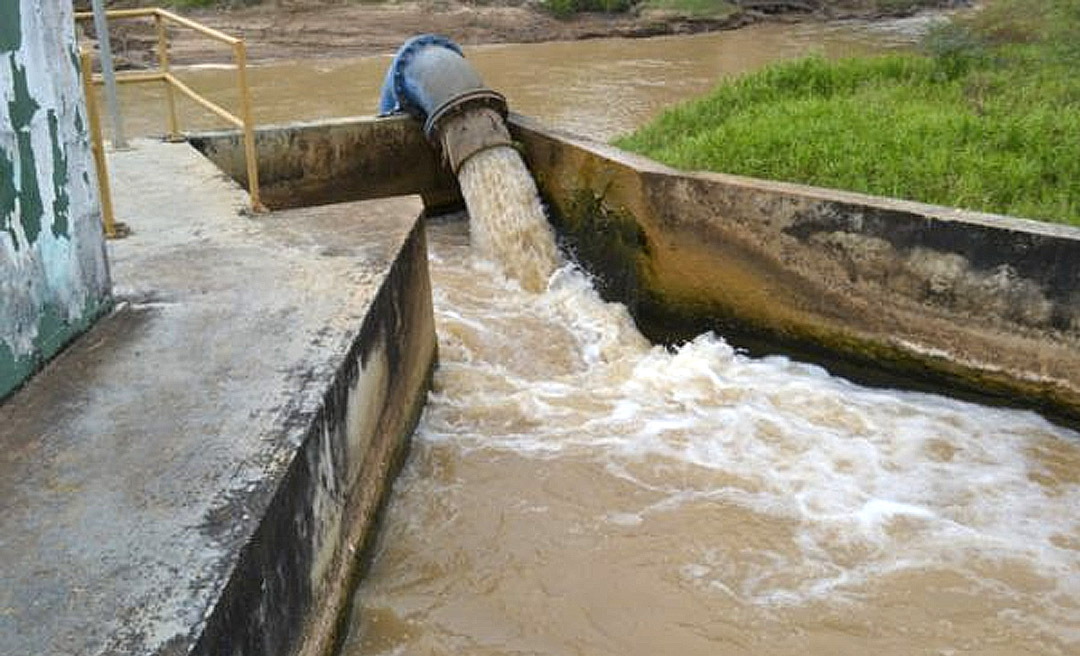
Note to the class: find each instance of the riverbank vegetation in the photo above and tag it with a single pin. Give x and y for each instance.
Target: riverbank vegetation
(567, 8)
(987, 119)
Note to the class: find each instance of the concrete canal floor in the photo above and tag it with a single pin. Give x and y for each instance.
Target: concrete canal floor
(137, 469)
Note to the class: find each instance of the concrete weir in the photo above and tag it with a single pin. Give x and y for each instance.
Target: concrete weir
(200, 471)
(876, 288)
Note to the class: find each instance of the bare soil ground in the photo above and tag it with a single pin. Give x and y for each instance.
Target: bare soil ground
(314, 28)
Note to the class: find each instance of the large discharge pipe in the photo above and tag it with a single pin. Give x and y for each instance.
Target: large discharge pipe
(430, 79)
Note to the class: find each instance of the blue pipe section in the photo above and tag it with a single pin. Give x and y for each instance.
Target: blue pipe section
(430, 80)
(400, 93)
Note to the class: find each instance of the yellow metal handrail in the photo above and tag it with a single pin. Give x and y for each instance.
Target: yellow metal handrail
(163, 74)
(97, 147)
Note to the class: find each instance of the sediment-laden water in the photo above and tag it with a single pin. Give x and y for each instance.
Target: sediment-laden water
(599, 88)
(575, 490)
(509, 228)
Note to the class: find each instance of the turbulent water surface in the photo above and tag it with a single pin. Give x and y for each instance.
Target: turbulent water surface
(575, 490)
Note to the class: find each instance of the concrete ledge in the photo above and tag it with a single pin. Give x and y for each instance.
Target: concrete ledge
(312, 163)
(198, 473)
(972, 303)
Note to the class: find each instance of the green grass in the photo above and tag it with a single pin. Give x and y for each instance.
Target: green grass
(702, 8)
(565, 8)
(184, 4)
(981, 125)
(897, 6)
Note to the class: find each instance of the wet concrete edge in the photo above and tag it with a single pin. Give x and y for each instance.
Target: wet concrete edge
(337, 160)
(291, 584)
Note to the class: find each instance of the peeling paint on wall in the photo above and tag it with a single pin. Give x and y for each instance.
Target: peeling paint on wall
(53, 274)
(10, 33)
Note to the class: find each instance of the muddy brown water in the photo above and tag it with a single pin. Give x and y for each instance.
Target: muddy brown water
(598, 88)
(575, 490)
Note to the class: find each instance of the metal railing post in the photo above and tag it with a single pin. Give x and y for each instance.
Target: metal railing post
(245, 121)
(101, 26)
(97, 146)
(163, 64)
(240, 51)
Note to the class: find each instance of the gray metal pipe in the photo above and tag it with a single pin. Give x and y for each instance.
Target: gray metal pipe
(430, 79)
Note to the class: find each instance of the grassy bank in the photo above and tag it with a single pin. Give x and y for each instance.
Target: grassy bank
(988, 120)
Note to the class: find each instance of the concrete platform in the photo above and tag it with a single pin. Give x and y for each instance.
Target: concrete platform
(196, 474)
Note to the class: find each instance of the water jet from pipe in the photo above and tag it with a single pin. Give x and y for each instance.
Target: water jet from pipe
(431, 80)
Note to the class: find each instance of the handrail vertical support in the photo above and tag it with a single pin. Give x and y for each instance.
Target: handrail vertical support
(240, 51)
(172, 84)
(101, 26)
(97, 146)
(163, 65)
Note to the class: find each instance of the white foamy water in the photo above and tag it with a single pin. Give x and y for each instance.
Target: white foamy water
(574, 489)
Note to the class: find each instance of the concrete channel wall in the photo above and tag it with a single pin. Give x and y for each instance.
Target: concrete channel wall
(54, 280)
(966, 302)
(201, 472)
(332, 161)
(289, 590)
(879, 289)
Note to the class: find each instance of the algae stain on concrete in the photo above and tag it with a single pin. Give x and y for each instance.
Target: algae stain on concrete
(610, 240)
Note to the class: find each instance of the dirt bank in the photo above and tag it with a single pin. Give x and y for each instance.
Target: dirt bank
(310, 28)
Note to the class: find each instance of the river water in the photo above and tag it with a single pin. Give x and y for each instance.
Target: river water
(598, 88)
(575, 490)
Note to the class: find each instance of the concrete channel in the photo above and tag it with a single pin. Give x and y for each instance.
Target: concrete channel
(202, 471)
(224, 509)
(883, 290)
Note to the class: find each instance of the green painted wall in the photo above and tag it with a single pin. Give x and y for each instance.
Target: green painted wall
(54, 278)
